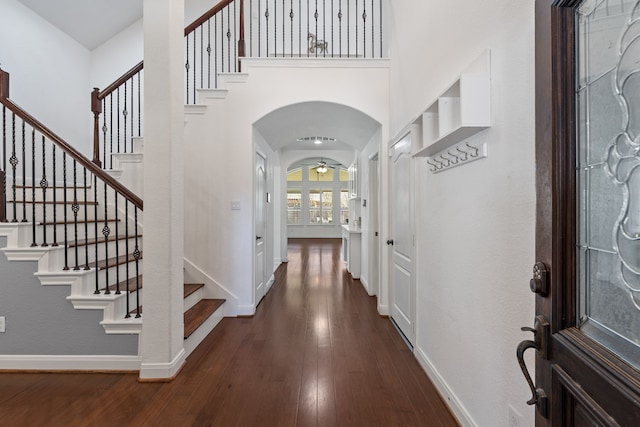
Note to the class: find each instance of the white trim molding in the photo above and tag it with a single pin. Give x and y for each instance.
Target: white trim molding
(69, 363)
(162, 371)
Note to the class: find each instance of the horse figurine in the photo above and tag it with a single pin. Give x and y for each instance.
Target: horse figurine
(315, 45)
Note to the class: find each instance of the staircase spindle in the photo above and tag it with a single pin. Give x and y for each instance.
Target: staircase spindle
(266, 31)
(86, 222)
(33, 186)
(131, 118)
(124, 119)
(340, 29)
(195, 67)
(186, 66)
(291, 16)
(215, 43)
(117, 121)
(315, 17)
(55, 196)
(24, 174)
(308, 31)
(14, 163)
(126, 250)
(43, 184)
(136, 257)
(110, 131)
(348, 26)
(324, 26)
(202, 57)
(64, 194)
(75, 207)
(95, 232)
(3, 171)
(284, 49)
(299, 28)
(332, 25)
(275, 30)
(105, 232)
(229, 39)
(116, 243)
(356, 29)
(259, 26)
(209, 54)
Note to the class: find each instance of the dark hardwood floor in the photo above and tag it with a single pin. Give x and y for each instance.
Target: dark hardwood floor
(315, 354)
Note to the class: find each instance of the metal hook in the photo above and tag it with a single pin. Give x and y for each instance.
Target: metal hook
(466, 155)
(473, 148)
(439, 162)
(446, 160)
(454, 156)
(434, 166)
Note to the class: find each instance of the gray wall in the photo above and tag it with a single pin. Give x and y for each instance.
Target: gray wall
(40, 320)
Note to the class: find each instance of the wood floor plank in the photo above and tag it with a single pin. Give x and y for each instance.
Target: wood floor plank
(315, 354)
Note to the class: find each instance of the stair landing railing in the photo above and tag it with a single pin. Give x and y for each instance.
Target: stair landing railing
(215, 42)
(65, 200)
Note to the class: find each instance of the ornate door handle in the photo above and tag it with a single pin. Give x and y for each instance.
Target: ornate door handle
(541, 344)
(390, 242)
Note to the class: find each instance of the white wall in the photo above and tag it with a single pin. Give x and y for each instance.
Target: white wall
(49, 73)
(475, 242)
(219, 144)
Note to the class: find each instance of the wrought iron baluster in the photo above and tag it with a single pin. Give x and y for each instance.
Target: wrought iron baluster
(340, 29)
(55, 196)
(202, 56)
(229, 39)
(380, 17)
(275, 29)
(131, 114)
(64, 195)
(291, 15)
(3, 200)
(332, 24)
(209, 53)
(126, 250)
(14, 163)
(259, 27)
(251, 28)
(33, 187)
(116, 243)
(117, 121)
(75, 208)
(24, 174)
(110, 131)
(104, 133)
(139, 105)
(222, 41)
(356, 31)
(308, 31)
(364, 28)
(95, 232)
(105, 232)
(284, 49)
(348, 27)
(235, 36)
(299, 28)
(215, 53)
(44, 184)
(195, 66)
(136, 257)
(124, 119)
(373, 31)
(186, 66)
(86, 222)
(315, 15)
(266, 31)
(324, 27)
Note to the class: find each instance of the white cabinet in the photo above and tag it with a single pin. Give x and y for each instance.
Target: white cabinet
(351, 246)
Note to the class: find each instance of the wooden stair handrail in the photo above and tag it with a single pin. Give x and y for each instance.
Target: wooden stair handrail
(208, 15)
(75, 154)
(126, 76)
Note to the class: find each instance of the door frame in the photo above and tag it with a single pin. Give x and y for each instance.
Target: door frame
(578, 367)
(374, 224)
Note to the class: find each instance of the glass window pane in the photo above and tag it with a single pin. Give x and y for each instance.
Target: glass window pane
(344, 206)
(608, 128)
(295, 175)
(344, 175)
(294, 206)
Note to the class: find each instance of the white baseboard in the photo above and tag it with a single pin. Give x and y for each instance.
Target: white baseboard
(213, 289)
(270, 283)
(365, 285)
(383, 310)
(448, 396)
(246, 310)
(69, 363)
(161, 371)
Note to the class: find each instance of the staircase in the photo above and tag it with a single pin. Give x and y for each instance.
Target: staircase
(82, 227)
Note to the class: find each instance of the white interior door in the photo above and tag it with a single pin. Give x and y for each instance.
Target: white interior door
(402, 292)
(260, 227)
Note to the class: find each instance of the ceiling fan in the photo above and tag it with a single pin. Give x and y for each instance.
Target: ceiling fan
(322, 166)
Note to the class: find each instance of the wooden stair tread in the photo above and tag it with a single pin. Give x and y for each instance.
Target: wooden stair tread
(81, 242)
(190, 288)
(112, 262)
(196, 315)
(129, 285)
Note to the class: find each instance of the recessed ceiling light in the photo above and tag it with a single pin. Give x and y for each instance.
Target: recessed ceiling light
(315, 139)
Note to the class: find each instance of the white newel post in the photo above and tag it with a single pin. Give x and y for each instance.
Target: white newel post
(162, 332)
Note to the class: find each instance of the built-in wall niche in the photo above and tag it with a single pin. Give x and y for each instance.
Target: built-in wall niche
(463, 110)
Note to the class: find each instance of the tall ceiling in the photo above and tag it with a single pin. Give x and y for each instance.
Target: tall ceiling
(89, 22)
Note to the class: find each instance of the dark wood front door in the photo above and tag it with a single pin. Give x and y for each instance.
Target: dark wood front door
(588, 213)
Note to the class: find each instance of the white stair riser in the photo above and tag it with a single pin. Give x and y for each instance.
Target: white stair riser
(192, 299)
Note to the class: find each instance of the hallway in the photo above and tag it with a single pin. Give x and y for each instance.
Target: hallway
(315, 354)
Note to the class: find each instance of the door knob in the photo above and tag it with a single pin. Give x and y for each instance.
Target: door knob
(541, 344)
(390, 242)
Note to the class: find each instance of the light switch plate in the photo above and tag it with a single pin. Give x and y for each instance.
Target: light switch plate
(2, 324)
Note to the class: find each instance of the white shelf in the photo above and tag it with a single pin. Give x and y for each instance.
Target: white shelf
(463, 110)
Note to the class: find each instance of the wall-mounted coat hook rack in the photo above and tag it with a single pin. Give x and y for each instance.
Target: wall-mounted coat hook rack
(457, 155)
